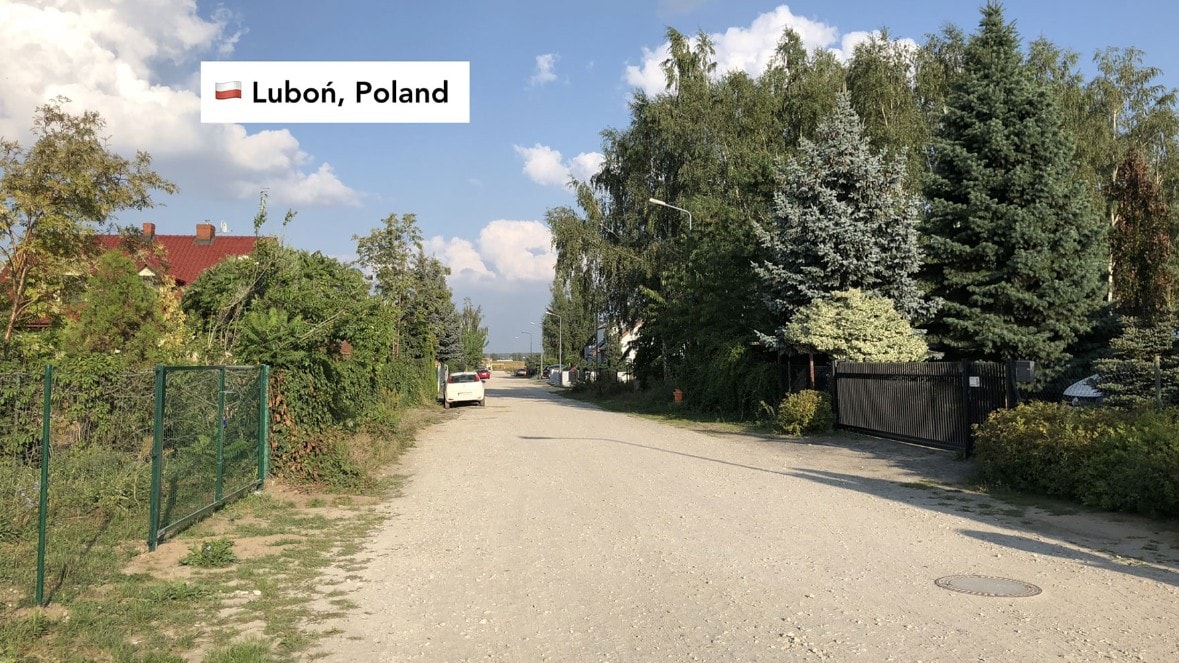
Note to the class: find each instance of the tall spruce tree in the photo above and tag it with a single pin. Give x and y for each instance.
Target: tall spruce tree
(1015, 249)
(841, 220)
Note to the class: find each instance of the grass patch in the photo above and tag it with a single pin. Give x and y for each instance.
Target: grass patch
(108, 604)
(255, 650)
(214, 554)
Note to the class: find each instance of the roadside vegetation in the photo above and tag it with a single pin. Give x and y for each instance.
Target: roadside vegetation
(974, 198)
(971, 198)
(352, 350)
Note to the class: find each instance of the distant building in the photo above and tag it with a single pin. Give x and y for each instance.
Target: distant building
(184, 256)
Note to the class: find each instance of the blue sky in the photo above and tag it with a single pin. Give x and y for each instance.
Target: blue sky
(546, 79)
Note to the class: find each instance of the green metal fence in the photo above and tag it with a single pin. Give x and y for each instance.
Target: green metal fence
(209, 441)
(89, 453)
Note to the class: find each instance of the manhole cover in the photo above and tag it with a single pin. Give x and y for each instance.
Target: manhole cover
(987, 586)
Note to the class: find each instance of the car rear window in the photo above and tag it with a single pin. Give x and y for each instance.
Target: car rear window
(463, 378)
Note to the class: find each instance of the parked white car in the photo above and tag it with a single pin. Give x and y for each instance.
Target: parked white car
(465, 387)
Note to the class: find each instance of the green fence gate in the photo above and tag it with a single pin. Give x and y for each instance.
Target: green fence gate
(209, 441)
(90, 450)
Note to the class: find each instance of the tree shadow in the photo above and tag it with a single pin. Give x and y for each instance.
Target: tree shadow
(931, 494)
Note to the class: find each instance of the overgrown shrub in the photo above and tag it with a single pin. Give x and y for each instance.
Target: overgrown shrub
(1121, 460)
(807, 411)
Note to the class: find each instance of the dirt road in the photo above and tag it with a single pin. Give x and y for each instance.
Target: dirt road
(541, 529)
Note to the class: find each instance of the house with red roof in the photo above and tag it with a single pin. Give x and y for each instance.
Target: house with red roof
(184, 256)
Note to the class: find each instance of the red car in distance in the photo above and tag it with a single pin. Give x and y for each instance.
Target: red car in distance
(484, 374)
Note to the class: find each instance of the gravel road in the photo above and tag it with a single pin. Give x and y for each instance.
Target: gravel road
(543, 529)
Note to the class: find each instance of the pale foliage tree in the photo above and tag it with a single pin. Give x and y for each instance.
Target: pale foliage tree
(854, 326)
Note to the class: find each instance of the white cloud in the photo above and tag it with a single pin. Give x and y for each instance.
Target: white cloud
(747, 49)
(113, 58)
(506, 254)
(543, 165)
(586, 165)
(461, 257)
(303, 189)
(545, 64)
(518, 250)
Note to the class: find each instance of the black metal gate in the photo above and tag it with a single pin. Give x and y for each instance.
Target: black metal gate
(931, 403)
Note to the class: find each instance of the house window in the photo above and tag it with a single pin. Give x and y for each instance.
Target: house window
(149, 277)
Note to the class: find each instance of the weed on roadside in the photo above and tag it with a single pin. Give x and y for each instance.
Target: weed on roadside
(214, 554)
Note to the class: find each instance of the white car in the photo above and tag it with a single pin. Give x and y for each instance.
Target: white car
(465, 387)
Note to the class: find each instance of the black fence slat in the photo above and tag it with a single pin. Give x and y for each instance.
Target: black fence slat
(931, 403)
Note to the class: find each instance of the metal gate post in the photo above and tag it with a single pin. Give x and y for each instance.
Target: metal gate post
(835, 390)
(157, 460)
(220, 436)
(967, 408)
(263, 423)
(43, 513)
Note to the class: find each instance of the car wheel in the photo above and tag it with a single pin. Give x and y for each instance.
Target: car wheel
(482, 402)
(445, 404)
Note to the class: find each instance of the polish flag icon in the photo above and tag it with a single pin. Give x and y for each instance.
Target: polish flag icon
(229, 90)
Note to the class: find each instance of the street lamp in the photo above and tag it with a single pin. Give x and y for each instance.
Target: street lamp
(560, 340)
(529, 348)
(656, 201)
(538, 376)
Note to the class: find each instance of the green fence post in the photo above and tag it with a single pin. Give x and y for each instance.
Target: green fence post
(157, 459)
(220, 437)
(43, 513)
(263, 424)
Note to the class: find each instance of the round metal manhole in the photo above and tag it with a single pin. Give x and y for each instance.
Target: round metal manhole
(988, 586)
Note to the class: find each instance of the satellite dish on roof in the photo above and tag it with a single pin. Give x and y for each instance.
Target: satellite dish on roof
(224, 227)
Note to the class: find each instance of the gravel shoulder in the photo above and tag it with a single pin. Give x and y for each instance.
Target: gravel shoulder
(543, 529)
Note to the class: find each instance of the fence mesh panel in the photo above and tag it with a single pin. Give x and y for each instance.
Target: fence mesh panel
(210, 432)
(99, 478)
(99, 467)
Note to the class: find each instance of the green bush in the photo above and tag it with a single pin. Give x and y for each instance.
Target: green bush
(213, 554)
(805, 411)
(1120, 460)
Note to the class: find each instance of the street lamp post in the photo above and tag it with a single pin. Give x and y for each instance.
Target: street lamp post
(529, 348)
(560, 343)
(656, 201)
(541, 372)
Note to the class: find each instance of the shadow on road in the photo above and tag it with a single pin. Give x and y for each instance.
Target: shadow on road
(1090, 548)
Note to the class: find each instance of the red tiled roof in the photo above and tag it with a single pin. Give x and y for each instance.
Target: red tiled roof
(186, 257)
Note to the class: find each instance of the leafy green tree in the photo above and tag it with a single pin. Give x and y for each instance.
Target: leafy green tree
(1015, 249)
(473, 334)
(938, 66)
(880, 85)
(413, 285)
(388, 254)
(709, 146)
(854, 326)
(1140, 242)
(430, 328)
(1143, 290)
(119, 314)
(56, 195)
(841, 220)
